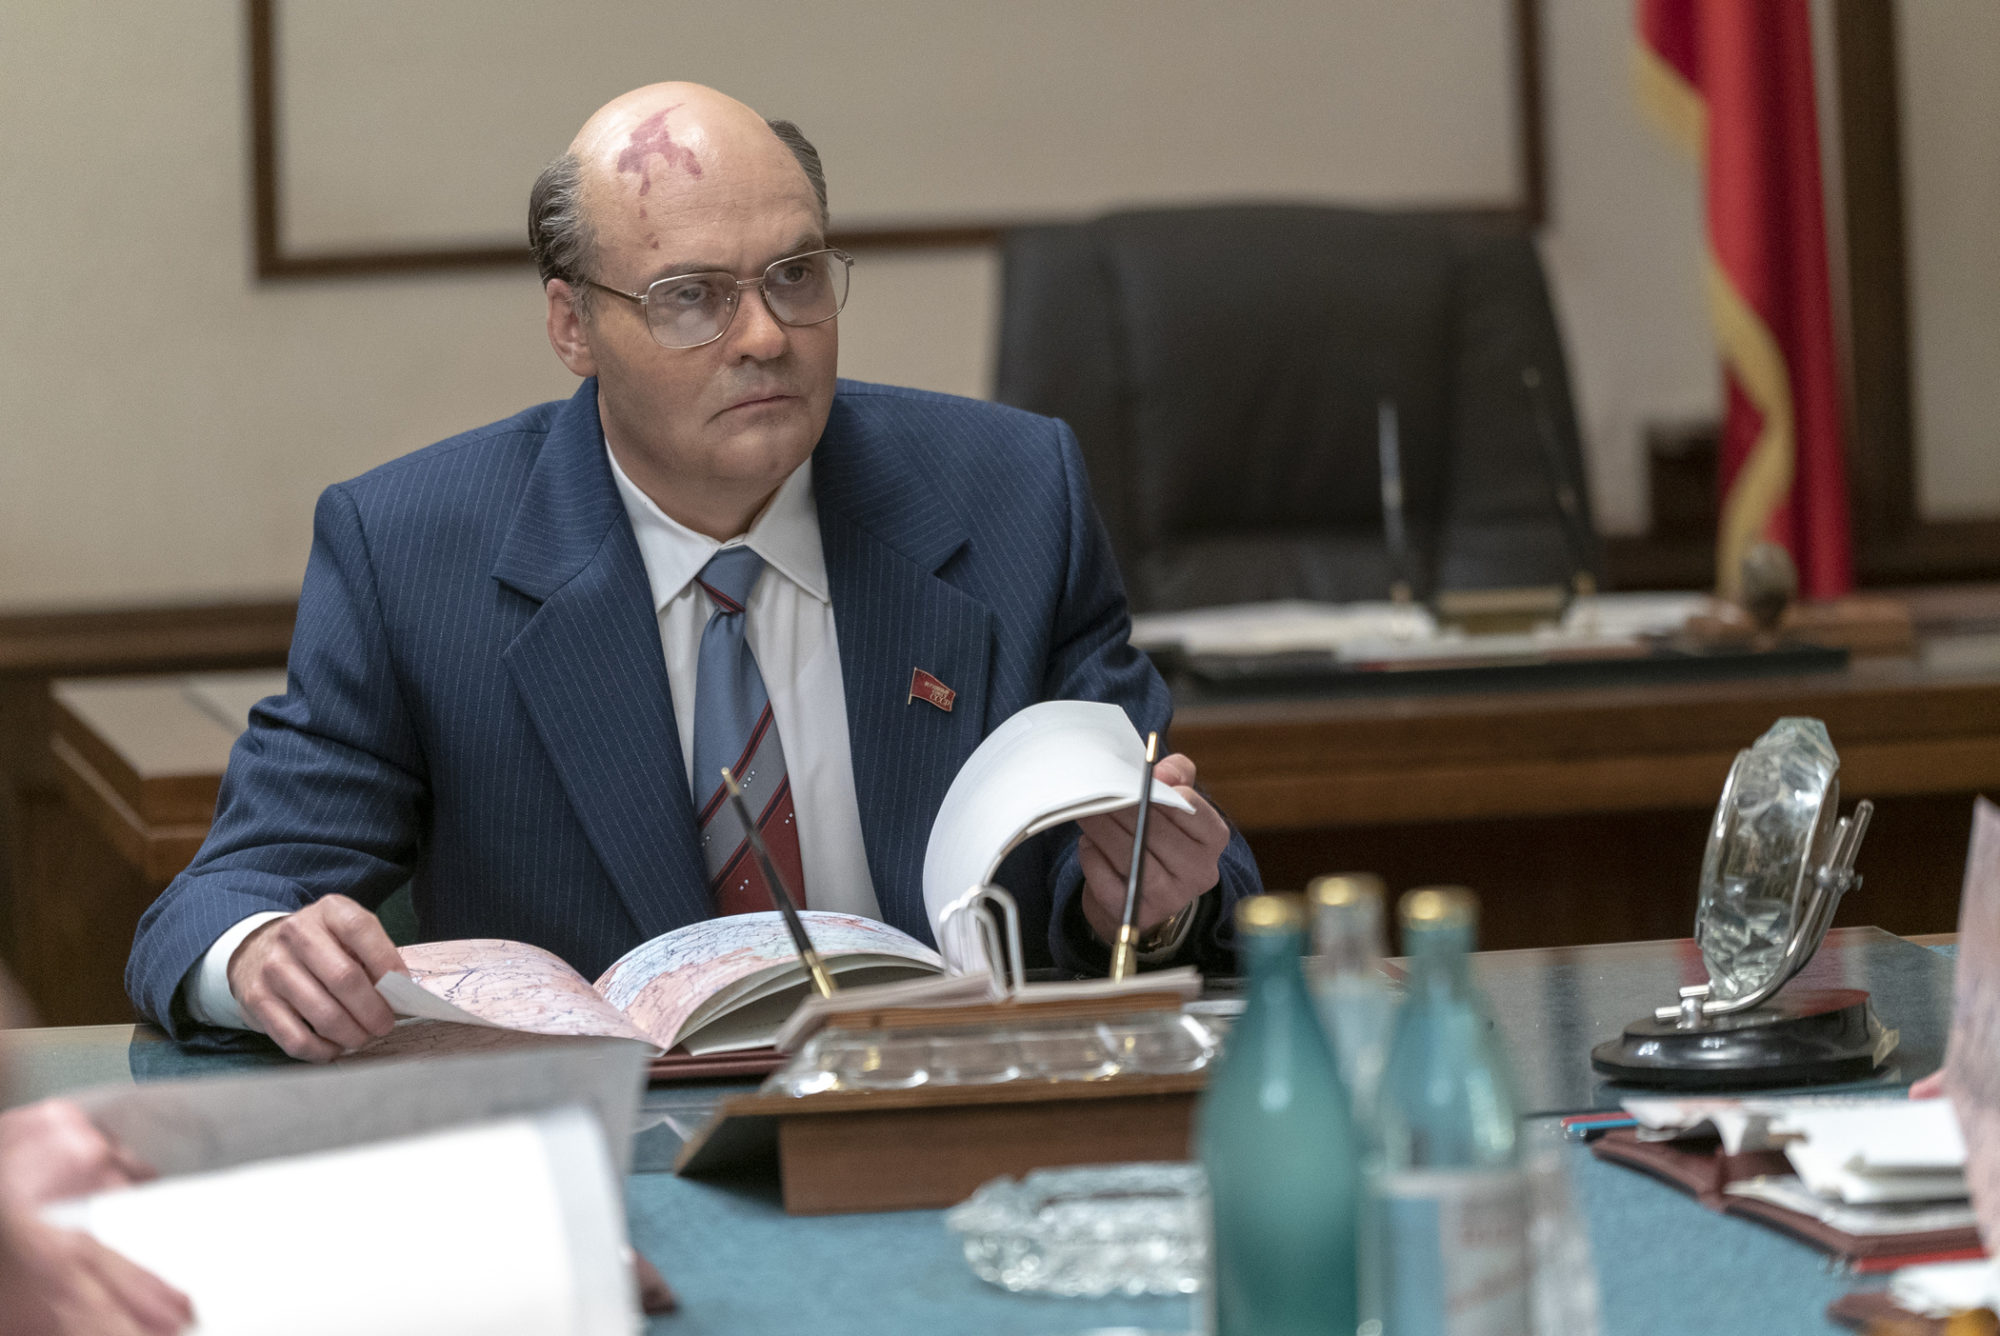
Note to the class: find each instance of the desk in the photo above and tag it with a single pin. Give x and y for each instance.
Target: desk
(58, 879)
(137, 762)
(1579, 815)
(741, 1266)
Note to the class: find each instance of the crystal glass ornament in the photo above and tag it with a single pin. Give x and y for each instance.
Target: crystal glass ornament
(1780, 857)
(1773, 826)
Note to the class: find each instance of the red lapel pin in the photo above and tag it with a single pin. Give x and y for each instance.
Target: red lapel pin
(927, 688)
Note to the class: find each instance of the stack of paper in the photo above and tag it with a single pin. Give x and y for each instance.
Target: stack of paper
(1864, 1166)
(1945, 1288)
(1364, 632)
(400, 1199)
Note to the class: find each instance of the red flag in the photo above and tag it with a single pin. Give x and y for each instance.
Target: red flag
(1734, 79)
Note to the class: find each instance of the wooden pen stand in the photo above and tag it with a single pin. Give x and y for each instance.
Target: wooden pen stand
(930, 1146)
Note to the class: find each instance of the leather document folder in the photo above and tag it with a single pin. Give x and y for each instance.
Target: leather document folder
(1703, 1170)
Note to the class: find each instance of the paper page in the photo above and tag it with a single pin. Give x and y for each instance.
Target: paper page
(789, 980)
(1746, 1123)
(416, 1037)
(1884, 1136)
(1050, 763)
(1651, 614)
(1296, 624)
(186, 1127)
(1829, 1177)
(1276, 627)
(1944, 1288)
(1972, 1059)
(756, 1023)
(507, 984)
(502, 1228)
(1880, 1220)
(1184, 981)
(1456, 645)
(664, 985)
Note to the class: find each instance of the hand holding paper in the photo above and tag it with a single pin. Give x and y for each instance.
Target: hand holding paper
(309, 978)
(55, 1282)
(1061, 760)
(1183, 853)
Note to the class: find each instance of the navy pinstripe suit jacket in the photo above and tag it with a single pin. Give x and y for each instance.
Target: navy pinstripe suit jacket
(477, 701)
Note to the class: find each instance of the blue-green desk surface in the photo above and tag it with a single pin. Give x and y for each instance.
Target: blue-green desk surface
(743, 1267)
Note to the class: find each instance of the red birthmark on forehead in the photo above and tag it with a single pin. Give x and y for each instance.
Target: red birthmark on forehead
(651, 139)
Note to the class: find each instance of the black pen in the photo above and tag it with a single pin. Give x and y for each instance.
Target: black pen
(821, 980)
(1124, 955)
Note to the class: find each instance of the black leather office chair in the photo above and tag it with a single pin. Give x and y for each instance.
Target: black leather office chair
(1222, 369)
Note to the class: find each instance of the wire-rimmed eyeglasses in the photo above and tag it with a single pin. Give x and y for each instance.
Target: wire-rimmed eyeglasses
(689, 310)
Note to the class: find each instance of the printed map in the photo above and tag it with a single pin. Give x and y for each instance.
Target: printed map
(663, 983)
(514, 986)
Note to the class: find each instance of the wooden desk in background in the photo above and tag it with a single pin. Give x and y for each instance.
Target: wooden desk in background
(58, 878)
(1579, 815)
(139, 760)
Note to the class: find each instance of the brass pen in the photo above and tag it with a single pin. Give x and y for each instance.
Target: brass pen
(1124, 953)
(822, 982)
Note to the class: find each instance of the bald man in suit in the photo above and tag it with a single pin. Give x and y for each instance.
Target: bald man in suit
(519, 652)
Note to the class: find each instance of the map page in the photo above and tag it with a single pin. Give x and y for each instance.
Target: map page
(510, 985)
(675, 984)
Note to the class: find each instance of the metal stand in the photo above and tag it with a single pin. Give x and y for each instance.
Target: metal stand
(1762, 1037)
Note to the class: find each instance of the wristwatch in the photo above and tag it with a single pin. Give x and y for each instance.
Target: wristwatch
(1164, 939)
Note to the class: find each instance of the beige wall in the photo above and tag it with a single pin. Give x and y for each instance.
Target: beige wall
(1623, 247)
(421, 121)
(1950, 50)
(169, 422)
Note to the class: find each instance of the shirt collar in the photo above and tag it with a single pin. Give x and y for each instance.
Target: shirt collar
(785, 534)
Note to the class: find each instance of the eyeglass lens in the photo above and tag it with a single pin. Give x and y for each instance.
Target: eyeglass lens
(688, 310)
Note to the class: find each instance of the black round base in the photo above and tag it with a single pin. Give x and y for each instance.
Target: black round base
(1801, 1037)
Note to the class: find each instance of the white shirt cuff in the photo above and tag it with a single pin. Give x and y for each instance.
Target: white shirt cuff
(206, 991)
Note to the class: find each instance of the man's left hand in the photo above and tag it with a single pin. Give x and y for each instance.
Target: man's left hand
(51, 1150)
(1183, 850)
(57, 1282)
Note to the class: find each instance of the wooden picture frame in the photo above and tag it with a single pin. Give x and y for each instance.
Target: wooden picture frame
(274, 260)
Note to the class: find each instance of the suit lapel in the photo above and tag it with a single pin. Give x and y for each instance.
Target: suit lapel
(886, 533)
(589, 669)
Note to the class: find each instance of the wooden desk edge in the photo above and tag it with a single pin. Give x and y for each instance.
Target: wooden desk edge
(157, 851)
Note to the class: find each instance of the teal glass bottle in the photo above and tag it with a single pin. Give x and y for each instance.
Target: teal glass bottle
(1275, 1137)
(1450, 1198)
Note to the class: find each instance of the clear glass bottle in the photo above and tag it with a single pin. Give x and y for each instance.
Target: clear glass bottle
(1449, 1192)
(1345, 970)
(1357, 1007)
(1280, 1150)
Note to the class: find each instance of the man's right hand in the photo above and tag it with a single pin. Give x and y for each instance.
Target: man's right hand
(309, 978)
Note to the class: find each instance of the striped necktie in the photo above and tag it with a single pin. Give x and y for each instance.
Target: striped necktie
(733, 727)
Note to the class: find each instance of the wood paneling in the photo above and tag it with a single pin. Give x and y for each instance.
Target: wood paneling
(1293, 764)
(1581, 816)
(1577, 879)
(69, 895)
(1881, 476)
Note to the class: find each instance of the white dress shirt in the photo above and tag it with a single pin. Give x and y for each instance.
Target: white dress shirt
(791, 632)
